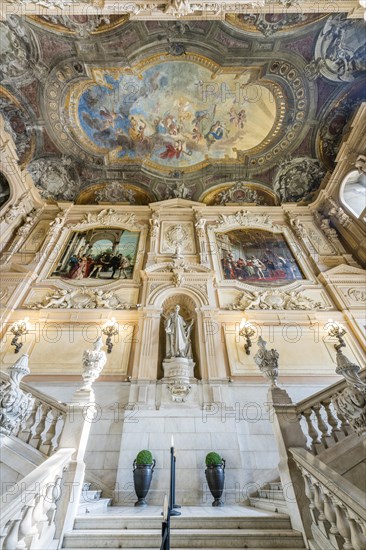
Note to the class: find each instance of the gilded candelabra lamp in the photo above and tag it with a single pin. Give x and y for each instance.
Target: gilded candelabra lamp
(110, 329)
(336, 330)
(247, 330)
(18, 328)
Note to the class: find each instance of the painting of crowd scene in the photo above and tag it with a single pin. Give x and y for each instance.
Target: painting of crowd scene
(99, 254)
(259, 257)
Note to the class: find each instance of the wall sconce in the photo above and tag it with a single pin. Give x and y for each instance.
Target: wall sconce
(246, 330)
(336, 330)
(111, 328)
(19, 328)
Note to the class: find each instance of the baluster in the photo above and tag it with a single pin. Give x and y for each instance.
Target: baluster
(26, 527)
(56, 441)
(38, 515)
(41, 425)
(52, 495)
(319, 501)
(309, 491)
(344, 423)
(358, 539)
(343, 526)
(321, 424)
(49, 435)
(27, 433)
(330, 513)
(11, 539)
(332, 420)
(313, 434)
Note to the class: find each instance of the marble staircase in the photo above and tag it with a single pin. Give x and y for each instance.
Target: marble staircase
(270, 497)
(91, 501)
(232, 526)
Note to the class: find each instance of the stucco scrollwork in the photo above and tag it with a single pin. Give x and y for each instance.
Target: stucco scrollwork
(244, 218)
(357, 294)
(107, 217)
(15, 210)
(80, 299)
(54, 177)
(276, 299)
(298, 179)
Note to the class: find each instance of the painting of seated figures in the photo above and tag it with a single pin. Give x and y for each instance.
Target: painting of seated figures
(259, 257)
(97, 255)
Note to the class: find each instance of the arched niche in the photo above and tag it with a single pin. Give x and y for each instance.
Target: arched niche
(352, 193)
(188, 307)
(4, 190)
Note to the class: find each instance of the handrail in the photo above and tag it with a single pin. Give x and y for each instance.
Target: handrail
(321, 422)
(343, 489)
(37, 394)
(13, 502)
(337, 507)
(326, 393)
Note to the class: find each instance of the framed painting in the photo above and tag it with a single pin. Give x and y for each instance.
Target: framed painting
(255, 256)
(98, 254)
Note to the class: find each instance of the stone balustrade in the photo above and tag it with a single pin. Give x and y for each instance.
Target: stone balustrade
(321, 420)
(337, 506)
(42, 426)
(29, 508)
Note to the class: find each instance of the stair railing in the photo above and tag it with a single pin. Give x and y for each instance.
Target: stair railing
(42, 429)
(322, 424)
(29, 507)
(54, 488)
(337, 506)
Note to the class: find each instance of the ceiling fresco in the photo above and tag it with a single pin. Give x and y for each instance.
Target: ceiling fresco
(247, 110)
(172, 114)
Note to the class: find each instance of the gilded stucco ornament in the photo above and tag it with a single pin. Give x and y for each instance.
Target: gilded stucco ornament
(298, 179)
(239, 192)
(54, 177)
(15, 405)
(276, 299)
(80, 299)
(245, 218)
(15, 210)
(107, 217)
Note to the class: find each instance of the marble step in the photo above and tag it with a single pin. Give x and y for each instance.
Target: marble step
(87, 522)
(188, 538)
(90, 495)
(271, 505)
(271, 494)
(94, 506)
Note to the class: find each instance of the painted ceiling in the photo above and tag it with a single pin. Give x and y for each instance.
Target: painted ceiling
(247, 110)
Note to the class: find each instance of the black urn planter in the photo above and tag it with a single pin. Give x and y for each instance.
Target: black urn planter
(215, 476)
(142, 476)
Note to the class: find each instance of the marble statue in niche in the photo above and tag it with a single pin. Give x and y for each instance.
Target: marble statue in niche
(178, 335)
(178, 365)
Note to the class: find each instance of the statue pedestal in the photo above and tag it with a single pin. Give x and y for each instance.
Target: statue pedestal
(178, 375)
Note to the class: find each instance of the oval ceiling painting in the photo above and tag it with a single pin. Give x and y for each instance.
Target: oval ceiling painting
(174, 113)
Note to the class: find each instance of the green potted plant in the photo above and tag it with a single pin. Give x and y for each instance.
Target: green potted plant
(215, 475)
(143, 469)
